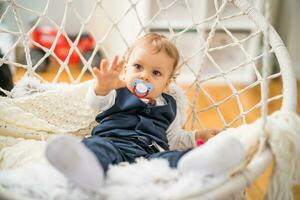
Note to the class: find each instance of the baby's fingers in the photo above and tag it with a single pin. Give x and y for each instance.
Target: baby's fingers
(96, 71)
(114, 63)
(104, 66)
(120, 65)
(213, 132)
(216, 131)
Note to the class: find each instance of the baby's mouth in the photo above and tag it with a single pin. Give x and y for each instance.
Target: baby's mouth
(141, 89)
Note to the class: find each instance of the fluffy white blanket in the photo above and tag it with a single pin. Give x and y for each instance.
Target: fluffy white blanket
(28, 174)
(39, 110)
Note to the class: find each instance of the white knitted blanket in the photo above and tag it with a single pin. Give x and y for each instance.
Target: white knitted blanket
(39, 110)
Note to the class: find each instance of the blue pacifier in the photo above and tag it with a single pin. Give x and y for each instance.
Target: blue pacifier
(141, 88)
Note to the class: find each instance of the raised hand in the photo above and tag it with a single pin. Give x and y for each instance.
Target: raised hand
(108, 76)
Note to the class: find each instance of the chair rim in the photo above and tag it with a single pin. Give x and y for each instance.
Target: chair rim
(261, 159)
(289, 89)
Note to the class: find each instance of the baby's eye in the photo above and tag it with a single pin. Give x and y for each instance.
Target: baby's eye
(138, 66)
(156, 73)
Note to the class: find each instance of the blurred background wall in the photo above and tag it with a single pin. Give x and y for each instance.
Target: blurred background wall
(288, 26)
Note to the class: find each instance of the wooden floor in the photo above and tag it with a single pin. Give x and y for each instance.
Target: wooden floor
(210, 118)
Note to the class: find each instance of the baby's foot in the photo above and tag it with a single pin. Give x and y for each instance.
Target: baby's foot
(74, 160)
(218, 156)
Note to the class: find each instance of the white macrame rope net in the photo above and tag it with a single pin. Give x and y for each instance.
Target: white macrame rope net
(273, 46)
(215, 22)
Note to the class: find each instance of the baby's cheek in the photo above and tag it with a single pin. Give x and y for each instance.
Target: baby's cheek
(155, 92)
(129, 85)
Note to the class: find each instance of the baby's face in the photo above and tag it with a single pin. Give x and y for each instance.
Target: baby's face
(155, 68)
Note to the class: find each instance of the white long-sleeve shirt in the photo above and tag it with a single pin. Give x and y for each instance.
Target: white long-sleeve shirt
(178, 138)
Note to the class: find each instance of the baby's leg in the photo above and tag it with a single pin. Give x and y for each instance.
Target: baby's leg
(171, 156)
(78, 162)
(106, 151)
(217, 156)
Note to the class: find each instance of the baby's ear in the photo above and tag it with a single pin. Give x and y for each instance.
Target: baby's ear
(125, 65)
(168, 83)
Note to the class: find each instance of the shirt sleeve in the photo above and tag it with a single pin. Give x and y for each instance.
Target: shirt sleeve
(178, 138)
(100, 103)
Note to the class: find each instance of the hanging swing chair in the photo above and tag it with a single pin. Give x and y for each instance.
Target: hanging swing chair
(36, 110)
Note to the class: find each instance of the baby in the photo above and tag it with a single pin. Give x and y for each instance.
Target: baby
(136, 117)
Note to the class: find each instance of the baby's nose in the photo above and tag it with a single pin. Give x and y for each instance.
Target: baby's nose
(145, 77)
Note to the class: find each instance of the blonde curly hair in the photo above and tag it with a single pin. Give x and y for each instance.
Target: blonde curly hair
(159, 43)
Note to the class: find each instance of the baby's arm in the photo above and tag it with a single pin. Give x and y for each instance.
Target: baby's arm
(100, 103)
(101, 94)
(178, 138)
(181, 139)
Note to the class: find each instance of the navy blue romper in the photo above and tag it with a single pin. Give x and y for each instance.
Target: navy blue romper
(130, 129)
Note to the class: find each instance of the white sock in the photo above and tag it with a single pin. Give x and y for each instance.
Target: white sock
(218, 156)
(74, 160)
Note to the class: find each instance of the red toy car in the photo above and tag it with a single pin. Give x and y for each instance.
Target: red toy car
(45, 36)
